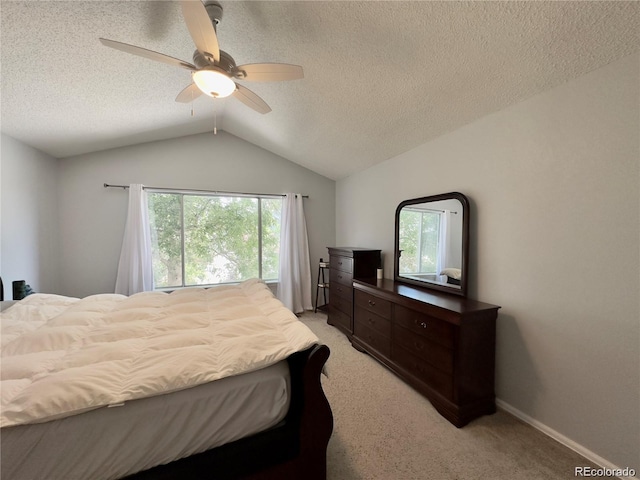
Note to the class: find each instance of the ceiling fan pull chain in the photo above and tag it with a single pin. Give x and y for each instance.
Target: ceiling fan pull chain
(215, 122)
(192, 114)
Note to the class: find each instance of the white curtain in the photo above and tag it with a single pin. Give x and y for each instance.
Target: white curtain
(294, 287)
(135, 270)
(443, 245)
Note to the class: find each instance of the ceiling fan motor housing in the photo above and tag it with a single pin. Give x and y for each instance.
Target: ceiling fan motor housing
(226, 63)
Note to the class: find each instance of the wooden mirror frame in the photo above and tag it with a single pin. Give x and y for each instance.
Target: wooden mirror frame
(462, 291)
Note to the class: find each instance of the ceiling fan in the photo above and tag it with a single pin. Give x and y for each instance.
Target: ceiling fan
(214, 71)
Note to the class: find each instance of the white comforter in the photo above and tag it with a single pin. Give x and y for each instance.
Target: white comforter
(62, 356)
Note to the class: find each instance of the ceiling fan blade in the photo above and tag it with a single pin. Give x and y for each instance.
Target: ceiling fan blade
(250, 99)
(150, 54)
(201, 29)
(269, 72)
(188, 94)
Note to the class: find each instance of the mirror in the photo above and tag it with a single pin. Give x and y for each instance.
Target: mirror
(432, 242)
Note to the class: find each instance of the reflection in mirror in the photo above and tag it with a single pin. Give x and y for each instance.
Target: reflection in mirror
(431, 247)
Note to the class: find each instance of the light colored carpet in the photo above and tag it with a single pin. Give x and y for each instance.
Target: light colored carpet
(383, 429)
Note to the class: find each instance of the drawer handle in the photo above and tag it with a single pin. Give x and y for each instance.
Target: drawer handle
(373, 304)
(418, 345)
(371, 321)
(421, 324)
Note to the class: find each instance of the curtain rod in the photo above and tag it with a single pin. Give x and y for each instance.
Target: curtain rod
(414, 209)
(215, 192)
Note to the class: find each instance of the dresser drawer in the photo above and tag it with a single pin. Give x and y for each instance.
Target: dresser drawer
(343, 304)
(371, 320)
(441, 382)
(344, 264)
(338, 276)
(432, 328)
(373, 304)
(338, 318)
(373, 338)
(341, 290)
(431, 352)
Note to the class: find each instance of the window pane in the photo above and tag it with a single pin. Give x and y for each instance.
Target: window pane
(271, 209)
(429, 247)
(418, 238)
(165, 219)
(409, 236)
(220, 239)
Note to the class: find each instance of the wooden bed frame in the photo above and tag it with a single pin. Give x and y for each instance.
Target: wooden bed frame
(294, 449)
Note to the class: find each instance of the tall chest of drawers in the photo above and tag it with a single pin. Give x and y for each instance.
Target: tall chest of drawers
(442, 345)
(345, 265)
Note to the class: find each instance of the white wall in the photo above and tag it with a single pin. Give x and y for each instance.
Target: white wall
(92, 217)
(28, 214)
(554, 189)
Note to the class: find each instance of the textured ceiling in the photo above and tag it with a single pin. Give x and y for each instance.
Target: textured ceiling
(380, 77)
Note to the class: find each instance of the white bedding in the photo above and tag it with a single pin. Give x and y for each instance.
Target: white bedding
(62, 356)
(110, 443)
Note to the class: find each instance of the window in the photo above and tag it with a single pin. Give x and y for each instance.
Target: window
(419, 241)
(211, 239)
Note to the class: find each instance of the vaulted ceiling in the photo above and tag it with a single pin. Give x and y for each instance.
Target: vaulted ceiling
(380, 77)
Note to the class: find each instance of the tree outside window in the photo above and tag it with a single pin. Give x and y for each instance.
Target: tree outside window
(419, 237)
(207, 239)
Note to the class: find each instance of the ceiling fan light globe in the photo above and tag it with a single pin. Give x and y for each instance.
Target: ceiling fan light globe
(214, 83)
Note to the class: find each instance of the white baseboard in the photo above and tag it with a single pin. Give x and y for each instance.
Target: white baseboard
(576, 447)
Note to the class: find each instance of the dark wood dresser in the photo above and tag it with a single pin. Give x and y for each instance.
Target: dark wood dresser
(345, 265)
(441, 344)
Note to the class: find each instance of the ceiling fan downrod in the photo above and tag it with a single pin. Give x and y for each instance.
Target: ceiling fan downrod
(214, 10)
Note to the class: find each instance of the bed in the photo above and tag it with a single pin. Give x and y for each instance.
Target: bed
(454, 275)
(198, 383)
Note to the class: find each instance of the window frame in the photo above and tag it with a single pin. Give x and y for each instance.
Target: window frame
(419, 252)
(200, 193)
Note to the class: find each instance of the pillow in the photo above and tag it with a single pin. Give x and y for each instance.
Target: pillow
(452, 273)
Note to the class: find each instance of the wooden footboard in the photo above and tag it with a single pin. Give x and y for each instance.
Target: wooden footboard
(294, 449)
(311, 421)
